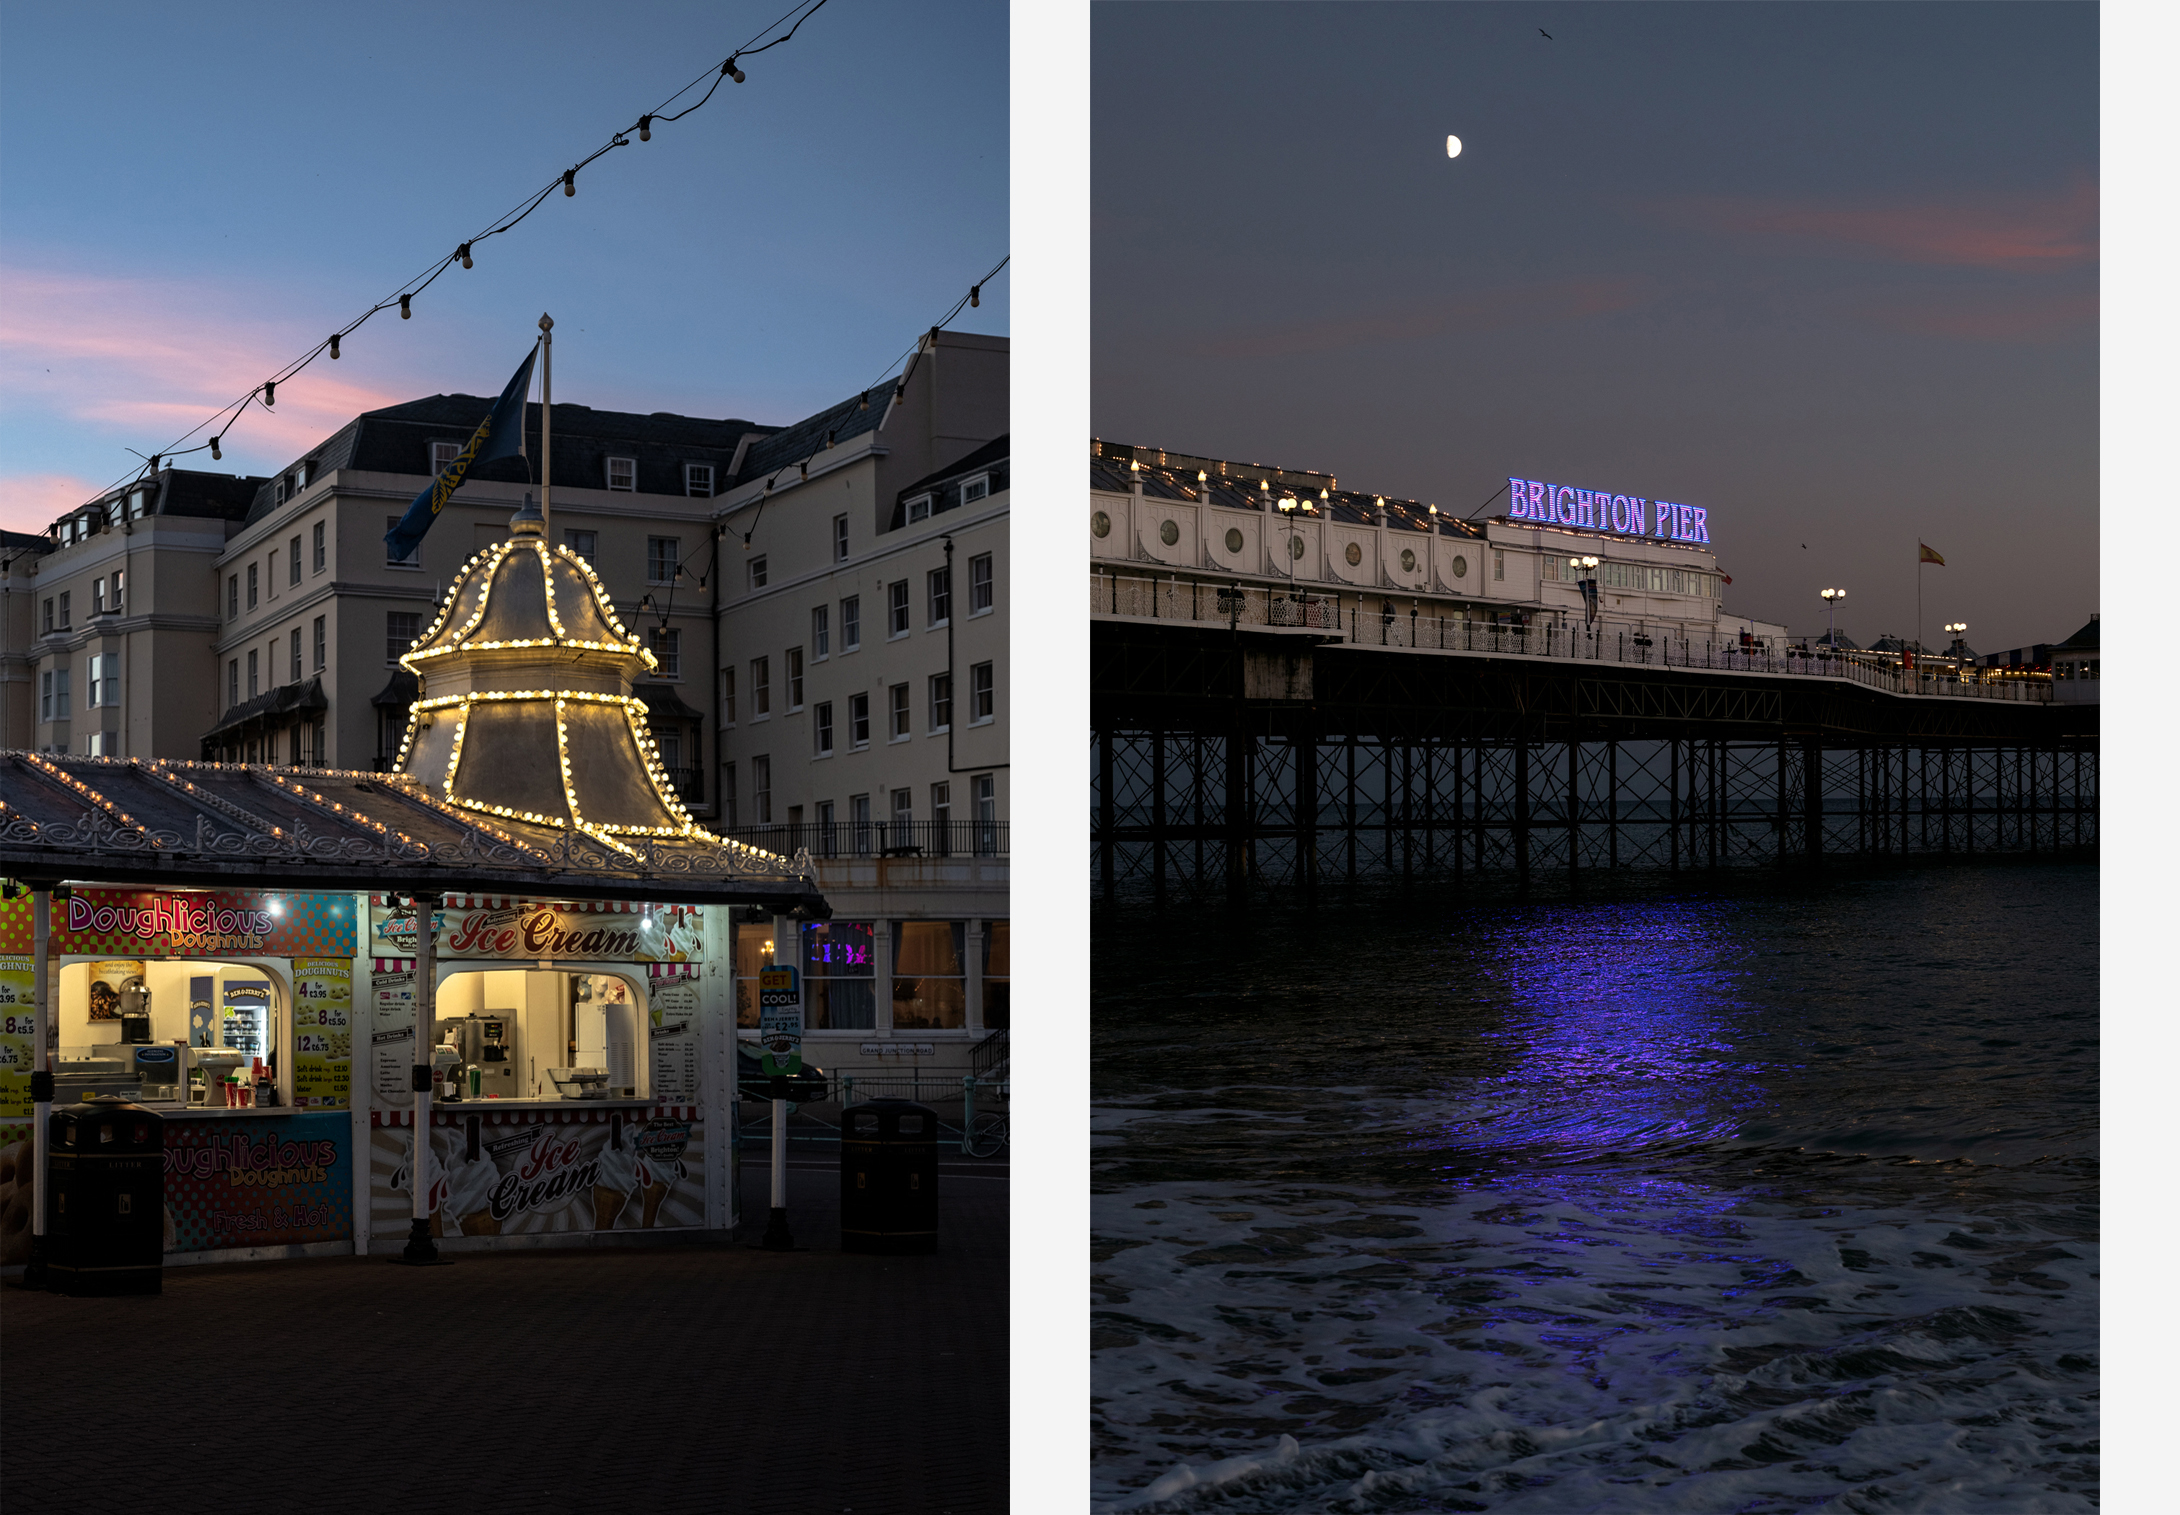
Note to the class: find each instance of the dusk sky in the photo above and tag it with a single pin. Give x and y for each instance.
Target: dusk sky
(191, 196)
(1830, 271)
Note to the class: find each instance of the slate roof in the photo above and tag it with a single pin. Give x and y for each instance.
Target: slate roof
(1241, 486)
(789, 445)
(985, 459)
(398, 439)
(178, 492)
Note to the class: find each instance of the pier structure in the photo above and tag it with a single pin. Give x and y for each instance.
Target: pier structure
(1293, 683)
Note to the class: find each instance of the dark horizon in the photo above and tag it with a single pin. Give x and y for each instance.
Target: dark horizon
(1830, 272)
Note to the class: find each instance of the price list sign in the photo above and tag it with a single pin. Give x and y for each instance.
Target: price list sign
(17, 1046)
(323, 1000)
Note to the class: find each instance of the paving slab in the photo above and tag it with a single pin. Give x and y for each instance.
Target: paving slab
(698, 1377)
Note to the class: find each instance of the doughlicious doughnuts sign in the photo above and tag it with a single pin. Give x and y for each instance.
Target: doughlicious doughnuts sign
(210, 923)
(506, 1174)
(261, 1181)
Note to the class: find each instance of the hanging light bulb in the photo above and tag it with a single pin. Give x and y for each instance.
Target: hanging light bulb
(731, 71)
(643, 128)
(462, 252)
(404, 307)
(155, 462)
(567, 183)
(866, 401)
(806, 468)
(334, 342)
(974, 291)
(268, 394)
(215, 449)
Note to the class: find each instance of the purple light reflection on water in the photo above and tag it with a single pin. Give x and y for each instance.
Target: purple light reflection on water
(1620, 1033)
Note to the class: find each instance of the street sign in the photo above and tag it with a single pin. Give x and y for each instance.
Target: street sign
(779, 1022)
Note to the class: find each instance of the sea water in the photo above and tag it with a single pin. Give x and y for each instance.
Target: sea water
(1776, 1199)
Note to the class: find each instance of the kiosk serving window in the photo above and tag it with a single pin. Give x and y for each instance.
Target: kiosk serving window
(503, 1033)
(174, 1032)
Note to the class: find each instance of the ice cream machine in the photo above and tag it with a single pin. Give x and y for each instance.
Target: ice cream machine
(484, 1043)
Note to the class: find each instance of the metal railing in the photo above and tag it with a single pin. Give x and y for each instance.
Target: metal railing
(879, 838)
(688, 783)
(989, 1060)
(1637, 644)
(1174, 599)
(981, 1132)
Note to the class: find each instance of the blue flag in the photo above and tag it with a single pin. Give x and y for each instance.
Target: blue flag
(499, 437)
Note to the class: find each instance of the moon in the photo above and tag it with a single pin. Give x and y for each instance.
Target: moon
(1453, 147)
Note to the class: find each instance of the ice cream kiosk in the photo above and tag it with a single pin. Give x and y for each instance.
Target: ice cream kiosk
(482, 1000)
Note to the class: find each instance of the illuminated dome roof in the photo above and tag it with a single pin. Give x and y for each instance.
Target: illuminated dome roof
(523, 706)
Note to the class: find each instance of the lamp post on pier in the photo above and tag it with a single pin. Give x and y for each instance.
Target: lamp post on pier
(1831, 598)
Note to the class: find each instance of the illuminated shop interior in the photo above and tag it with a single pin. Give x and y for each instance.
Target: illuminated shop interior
(518, 1027)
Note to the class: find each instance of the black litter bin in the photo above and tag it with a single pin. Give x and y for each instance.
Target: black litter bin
(105, 1213)
(889, 1177)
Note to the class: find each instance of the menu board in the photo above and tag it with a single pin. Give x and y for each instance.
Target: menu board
(18, 1006)
(17, 1049)
(322, 1003)
(674, 1041)
(393, 1035)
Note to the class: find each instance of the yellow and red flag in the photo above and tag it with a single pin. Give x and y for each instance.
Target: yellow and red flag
(1929, 555)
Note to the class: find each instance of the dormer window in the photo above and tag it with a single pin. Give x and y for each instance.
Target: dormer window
(697, 479)
(136, 504)
(975, 489)
(919, 509)
(621, 474)
(443, 453)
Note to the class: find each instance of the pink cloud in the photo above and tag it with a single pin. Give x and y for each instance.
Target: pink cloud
(2052, 231)
(1524, 305)
(145, 361)
(33, 501)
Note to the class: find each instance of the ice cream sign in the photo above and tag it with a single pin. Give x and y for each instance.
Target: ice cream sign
(1602, 510)
(561, 932)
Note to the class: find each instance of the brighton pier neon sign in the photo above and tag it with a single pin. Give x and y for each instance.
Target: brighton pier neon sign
(1602, 510)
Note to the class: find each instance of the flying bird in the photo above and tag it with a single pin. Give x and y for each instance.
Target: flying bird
(1547, 36)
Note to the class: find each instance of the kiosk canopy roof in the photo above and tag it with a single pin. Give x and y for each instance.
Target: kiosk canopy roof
(151, 820)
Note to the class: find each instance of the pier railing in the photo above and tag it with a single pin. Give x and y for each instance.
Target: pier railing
(1142, 596)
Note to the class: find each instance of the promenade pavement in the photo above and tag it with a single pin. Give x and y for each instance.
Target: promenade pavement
(695, 1377)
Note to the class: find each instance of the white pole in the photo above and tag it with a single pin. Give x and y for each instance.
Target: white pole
(545, 433)
(41, 1080)
(420, 1248)
(779, 1155)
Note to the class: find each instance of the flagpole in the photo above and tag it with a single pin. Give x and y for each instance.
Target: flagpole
(546, 437)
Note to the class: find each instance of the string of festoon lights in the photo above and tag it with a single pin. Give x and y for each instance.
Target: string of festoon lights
(264, 393)
(482, 569)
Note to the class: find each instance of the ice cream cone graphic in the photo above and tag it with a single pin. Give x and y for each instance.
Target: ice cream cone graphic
(618, 1180)
(470, 1182)
(610, 1203)
(654, 1195)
